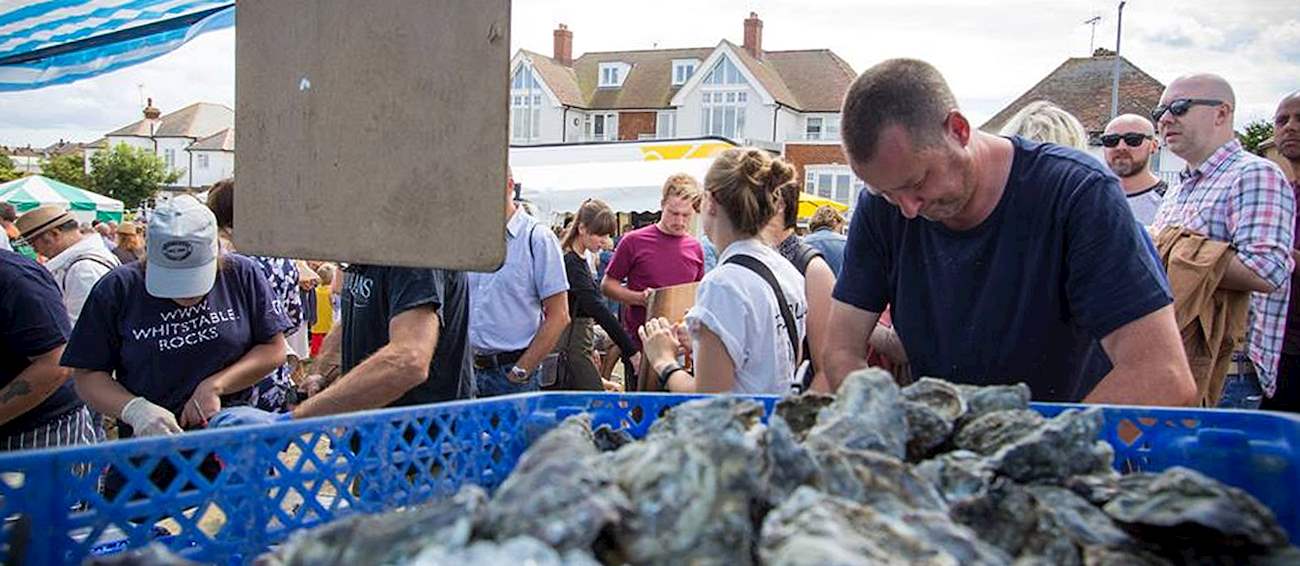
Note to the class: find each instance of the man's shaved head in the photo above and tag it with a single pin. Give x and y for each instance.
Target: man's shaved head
(1206, 85)
(1131, 123)
(1286, 129)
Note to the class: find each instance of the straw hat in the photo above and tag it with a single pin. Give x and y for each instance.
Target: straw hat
(127, 228)
(40, 220)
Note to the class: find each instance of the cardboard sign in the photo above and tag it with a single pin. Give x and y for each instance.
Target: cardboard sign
(670, 303)
(373, 132)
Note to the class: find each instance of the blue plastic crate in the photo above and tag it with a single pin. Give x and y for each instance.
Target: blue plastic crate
(276, 479)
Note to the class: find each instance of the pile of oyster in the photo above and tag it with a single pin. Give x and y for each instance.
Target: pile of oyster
(933, 473)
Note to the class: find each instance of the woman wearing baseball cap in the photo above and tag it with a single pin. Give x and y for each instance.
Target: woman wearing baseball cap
(164, 343)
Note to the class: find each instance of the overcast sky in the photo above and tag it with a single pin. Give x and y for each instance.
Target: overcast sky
(991, 51)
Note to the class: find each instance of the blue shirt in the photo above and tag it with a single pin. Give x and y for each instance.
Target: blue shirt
(506, 305)
(1023, 297)
(161, 350)
(831, 245)
(34, 322)
(710, 253)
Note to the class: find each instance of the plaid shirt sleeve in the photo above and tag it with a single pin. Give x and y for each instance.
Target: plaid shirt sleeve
(1261, 219)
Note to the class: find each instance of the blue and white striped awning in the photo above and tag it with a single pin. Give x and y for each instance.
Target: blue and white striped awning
(49, 42)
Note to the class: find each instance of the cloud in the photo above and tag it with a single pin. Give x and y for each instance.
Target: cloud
(991, 51)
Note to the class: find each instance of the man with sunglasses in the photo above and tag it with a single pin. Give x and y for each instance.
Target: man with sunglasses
(1128, 143)
(1230, 195)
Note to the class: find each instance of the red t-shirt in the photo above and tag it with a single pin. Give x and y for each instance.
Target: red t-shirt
(650, 259)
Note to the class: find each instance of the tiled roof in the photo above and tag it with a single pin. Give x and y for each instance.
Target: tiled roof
(220, 141)
(197, 120)
(1082, 86)
(647, 85)
(810, 80)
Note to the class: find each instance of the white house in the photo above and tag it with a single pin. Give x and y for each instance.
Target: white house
(786, 101)
(196, 141)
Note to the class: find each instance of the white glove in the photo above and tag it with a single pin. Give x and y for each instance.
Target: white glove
(148, 419)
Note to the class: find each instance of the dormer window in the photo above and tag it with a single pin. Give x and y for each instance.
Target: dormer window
(611, 75)
(683, 69)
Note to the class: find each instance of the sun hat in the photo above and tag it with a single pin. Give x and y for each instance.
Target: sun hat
(182, 250)
(40, 220)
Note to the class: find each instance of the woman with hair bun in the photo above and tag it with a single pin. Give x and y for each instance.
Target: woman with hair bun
(748, 321)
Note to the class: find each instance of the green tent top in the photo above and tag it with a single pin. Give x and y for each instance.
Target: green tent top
(34, 190)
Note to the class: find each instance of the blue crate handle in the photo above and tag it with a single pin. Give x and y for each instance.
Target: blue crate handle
(378, 460)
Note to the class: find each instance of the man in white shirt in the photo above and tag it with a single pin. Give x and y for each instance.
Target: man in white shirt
(1128, 143)
(77, 260)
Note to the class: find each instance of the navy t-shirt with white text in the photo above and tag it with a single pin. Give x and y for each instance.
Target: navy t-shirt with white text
(33, 321)
(1023, 297)
(161, 350)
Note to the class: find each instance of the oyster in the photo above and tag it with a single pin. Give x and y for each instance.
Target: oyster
(725, 418)
(939, 395)
(385, 538)
(866, 415)
(693, 499)
(1009, 517)
(989, 398)
(609, 440)
(815, 528)
(786, 463)
(1064, 446)
(886, 484)
(957, 475)
(927, 430)
(154, 554)
(800, 411)
(557, 493)
(1182, 509)
(518, 550)
(987, 433)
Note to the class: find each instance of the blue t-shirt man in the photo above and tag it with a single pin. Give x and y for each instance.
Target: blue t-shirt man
(161, 350)
(1023, 297)
(34, 322)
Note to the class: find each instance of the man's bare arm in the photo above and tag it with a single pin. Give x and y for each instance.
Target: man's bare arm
(387, 374)
(33, 385)
(1150, 366)
(1238, 277)
(846, 347)
(613, 289)
(555, 317)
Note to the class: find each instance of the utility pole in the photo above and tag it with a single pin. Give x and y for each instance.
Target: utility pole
(1092, 40)
(1114, 87)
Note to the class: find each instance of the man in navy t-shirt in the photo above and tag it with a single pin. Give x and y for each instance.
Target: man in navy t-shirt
(1004, 260)
(403, 340)
(38, 407)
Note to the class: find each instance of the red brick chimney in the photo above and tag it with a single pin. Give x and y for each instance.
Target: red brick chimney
(151, 113)
(754, 35)
(563, 47)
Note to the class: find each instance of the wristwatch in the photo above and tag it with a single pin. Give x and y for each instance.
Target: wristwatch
(668, 372)
(518, 374)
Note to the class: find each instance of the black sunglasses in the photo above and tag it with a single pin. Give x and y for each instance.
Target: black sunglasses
(1181, 106)
(1133, 139)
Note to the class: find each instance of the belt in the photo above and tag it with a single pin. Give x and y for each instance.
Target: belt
(1241, 364)
(493, 361)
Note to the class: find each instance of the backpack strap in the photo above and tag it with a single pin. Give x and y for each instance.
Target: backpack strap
(63, 284)
(753, 264)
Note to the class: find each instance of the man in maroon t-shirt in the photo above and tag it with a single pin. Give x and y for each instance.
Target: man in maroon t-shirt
(660, 255)
(1286, 136)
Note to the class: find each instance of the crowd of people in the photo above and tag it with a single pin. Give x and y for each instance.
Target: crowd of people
(972, 257)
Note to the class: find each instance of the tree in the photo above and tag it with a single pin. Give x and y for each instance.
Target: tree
(128, 174)
(7, 171)
(1254, 134)
(67, 168)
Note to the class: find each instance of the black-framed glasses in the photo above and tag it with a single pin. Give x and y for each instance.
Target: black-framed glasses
(1132, 139)
(1181, 106)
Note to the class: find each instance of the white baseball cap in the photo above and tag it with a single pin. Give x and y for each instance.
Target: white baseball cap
(182, 249)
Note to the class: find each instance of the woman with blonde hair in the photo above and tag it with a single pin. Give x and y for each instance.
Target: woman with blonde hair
(1046, 122)
(747, 324)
